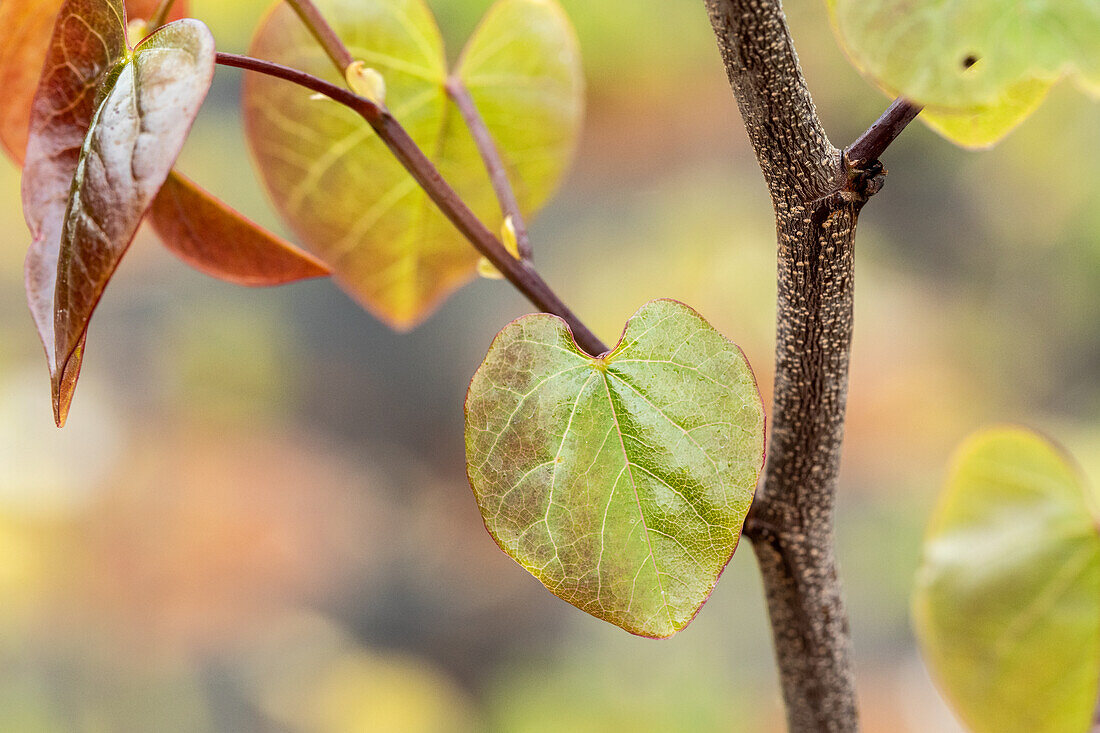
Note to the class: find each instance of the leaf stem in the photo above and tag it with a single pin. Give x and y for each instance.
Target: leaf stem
(521, 274)
(494, 164)
(160, 15)
(323, 32)
(869, 146)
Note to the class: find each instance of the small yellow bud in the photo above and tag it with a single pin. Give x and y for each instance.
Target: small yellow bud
(366, 82)
(508, 238)
(486, 269)
(136, 30)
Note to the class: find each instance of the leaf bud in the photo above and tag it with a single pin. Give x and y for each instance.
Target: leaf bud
(485, 268)
(366, 82)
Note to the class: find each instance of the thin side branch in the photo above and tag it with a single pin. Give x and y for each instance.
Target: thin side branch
(323, 32)
(160, 15)
(389, 130)
(494, 164)
(870, 146)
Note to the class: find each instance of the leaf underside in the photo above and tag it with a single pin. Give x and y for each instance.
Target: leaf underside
(620, 482)
(980, 66)
(1007, 602)
(341, 190)
(218, 241)
(107, 125)
(28, 26)
(191, 223)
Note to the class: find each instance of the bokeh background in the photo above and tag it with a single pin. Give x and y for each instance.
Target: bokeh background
(258, 518)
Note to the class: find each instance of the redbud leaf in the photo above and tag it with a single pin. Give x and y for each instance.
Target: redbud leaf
(107, 124)
(340, 189)
(196, 226)
(980, 67)
(216, 240)
(1007, 602)
(621, 482)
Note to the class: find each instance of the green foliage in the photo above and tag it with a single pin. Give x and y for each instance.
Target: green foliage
(340, 188)
(1008, 596)
(622, 481)
(981, 67)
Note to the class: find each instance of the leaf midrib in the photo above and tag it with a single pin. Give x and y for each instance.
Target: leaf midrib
(637, 499)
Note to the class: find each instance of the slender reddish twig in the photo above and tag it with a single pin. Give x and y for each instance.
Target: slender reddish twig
(389, 130)
(159, 15)
(323, 32)
(494, 164)
(869, 146)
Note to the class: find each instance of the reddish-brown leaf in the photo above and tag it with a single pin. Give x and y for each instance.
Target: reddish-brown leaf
(28, 26)
(61, 113)
(106, 127)
(196, 227)
(205, 233)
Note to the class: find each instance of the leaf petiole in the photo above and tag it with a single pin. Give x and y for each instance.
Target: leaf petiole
(160, 15)
(494, 164)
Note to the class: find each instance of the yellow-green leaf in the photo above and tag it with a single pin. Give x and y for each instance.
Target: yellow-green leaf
(621, 482)
(1007, 603)
(340, 189)
(980, 66)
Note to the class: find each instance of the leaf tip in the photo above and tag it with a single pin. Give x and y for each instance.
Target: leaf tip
(62, 401)
(63, 383)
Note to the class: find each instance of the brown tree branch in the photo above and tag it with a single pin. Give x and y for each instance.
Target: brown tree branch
(817, 199)
(521, 274)
(869, 146)
(494, 165)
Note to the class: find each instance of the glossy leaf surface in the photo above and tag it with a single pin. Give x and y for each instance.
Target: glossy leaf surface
(620, 482)
(205, 233)
(28, 27)
(982, 66)
(106, 127)
(1007, 603)
(216, 240)
(339, 187)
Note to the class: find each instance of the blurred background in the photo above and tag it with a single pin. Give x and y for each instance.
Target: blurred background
(258, 517)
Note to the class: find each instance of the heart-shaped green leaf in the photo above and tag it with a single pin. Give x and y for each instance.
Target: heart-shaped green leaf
(1007, 603)
(339, 187)
(106, 127)
(621, 482)
(981, 66)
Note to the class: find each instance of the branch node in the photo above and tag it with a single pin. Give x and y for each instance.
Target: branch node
(862, 180)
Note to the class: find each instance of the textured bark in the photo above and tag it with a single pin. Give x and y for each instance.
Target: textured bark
(817, 197)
